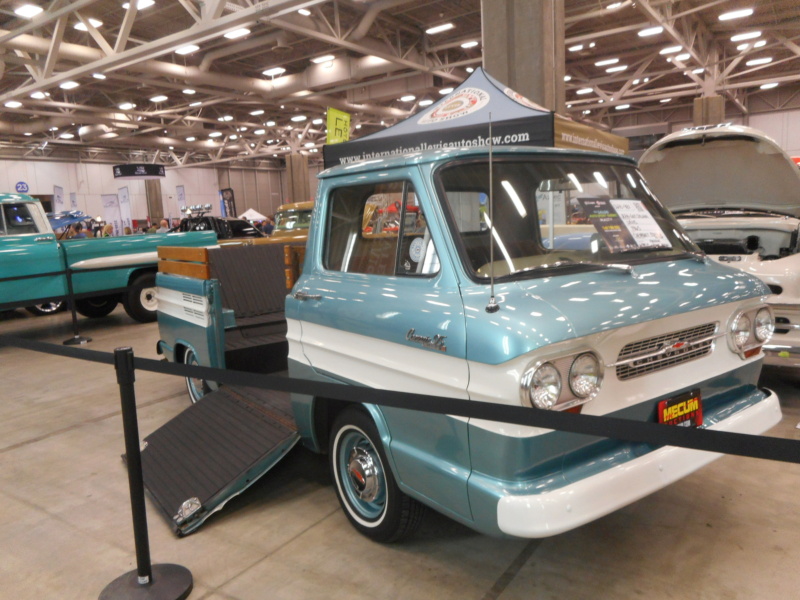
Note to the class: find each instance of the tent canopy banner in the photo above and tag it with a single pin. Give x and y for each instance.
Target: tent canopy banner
(461, 119)
(252, 215)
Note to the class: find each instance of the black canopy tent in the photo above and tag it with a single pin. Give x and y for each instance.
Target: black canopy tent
(462, 119)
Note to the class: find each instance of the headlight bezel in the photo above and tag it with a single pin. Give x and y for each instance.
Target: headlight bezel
(745, 321)
(563, 365)
(763, 339)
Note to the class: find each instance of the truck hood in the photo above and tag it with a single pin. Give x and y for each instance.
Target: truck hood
(724, 167)
(543, 311)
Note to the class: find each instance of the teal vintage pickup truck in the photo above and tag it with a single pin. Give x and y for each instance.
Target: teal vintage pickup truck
(35, 268)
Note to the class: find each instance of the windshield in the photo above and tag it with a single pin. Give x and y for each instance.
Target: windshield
(551, 214)
(292, 219)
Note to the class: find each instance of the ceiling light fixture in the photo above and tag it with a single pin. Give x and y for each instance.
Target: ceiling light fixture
(161, 98)
(439, 28)
(567, 77)
(187, 49)
(13, 104)
(67, 136)
(683, 57)
(317, 122)
(80, 26)
(651, 31)
(98, 76)
(576, 48)
(38, 95)
(616, 69)
(304, 12)
(622, 106)
(237, 33)
(127, 106)
(759, 61)
(470, 70)
(255, 113)
(215, 134)
(28, 11)
(698, 70)
(191, 138)
(760, 44)
(408, 98)
(736, 14)
(608, 61)
(426, 102)
(671, 49)
(299, 118)
(768, 86)
(746, 36)
(583, 91)
(189, 91)
(274, 71)
(614, 6)
(323, 59)
(260, 131)
(445, 91)
(270, 123)
(471, 44)
(665, 100)
(140, 5)
(193, 104)
(69, 85)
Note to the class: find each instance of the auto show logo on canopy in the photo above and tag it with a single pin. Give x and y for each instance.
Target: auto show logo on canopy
(517, 97)
(463, 103)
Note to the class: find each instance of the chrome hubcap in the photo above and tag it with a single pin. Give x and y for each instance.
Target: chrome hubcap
(148, 298)
(363, 474)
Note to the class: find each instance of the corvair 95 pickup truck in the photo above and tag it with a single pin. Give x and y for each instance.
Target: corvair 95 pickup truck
(542, 278)
(34, 265)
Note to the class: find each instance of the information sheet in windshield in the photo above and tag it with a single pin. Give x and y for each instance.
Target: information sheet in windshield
(624, 225)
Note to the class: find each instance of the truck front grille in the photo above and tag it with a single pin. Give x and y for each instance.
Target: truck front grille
(664, 351)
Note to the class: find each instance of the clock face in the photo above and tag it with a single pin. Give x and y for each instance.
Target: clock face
(415, 250)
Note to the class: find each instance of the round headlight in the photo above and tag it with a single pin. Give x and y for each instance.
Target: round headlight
(764, 325)
(544, 386)
(740, 331)
(585, 375)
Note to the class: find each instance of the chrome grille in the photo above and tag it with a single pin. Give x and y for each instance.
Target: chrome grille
(664, 351)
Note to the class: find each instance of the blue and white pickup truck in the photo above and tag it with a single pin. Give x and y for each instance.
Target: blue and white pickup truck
(542, 278)
(34, 265)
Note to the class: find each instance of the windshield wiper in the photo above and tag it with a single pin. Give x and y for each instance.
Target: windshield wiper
(623, 267)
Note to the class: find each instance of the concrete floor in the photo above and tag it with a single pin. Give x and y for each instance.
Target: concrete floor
(731, 530)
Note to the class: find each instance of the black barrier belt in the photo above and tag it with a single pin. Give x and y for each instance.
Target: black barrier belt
(655, 434)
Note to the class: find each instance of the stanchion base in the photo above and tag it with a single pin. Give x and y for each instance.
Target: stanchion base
(169, 582)
(76, 341)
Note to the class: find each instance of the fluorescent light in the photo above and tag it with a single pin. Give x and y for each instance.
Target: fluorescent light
(127, 106)
(225, 118)
(189, 91)
(736, 14)
(567, 77)
(187, 49)
(445, 91)
(471, 44)
(28, 11)
(584, 91)
(759, 61)
(317, 122)
(237, 33)
(760, 44)
(13, 104)
(242, 129)
(234, 137)
(69, 85)
(274, 71)
(299, 118)
(651, 31)
(94, 22)
(191, 138)
(38, 95)
(409, 98)
(215, 134)
(683, 57)
(769, 86)
(614, 6)
(636, 81)
(671, 49)
(270, 123)
(746, 36)
(98, 76)
(469, 70)
(608, 61)
(260, 131)
(140, 5)
(439, 28)
(426, 102)
(255, 113)
(576, 48)
(323, 59)
(193, 104)
(592, 45)
(67, 136)
(698, 70)
(161, 98)
(309, 144)
(53, 129)
(27, 133)
(665, 100)
(304, 12)
(616, 69)
(622, 106)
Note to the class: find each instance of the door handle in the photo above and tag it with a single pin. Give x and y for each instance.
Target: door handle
(43, 238)
(301, 295)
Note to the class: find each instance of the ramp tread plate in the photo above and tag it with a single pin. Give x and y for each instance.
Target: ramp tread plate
(223, 439)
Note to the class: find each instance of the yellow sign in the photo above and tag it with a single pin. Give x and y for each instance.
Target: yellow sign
(338, 126)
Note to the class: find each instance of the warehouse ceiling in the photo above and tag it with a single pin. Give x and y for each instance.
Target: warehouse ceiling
(190, 82)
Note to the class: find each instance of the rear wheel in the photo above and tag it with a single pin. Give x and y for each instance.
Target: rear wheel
(367, 490)
(197, 387)
(140, 299)
(46, 308)
(96, 307)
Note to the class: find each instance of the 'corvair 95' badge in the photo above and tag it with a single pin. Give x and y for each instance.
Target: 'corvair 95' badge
(434, 343)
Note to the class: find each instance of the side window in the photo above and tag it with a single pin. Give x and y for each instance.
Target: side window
(379, 229)
(18, 219)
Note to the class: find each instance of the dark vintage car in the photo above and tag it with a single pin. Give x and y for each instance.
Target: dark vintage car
(225, 227)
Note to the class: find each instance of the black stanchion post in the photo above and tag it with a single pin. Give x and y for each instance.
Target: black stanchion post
(76, 338)
(162, 581)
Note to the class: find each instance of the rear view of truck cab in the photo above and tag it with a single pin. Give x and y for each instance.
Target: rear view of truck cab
(547, 279)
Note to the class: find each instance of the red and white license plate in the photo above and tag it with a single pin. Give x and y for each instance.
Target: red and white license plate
(685, 410)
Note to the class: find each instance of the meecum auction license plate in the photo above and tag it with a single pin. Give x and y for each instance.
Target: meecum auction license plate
(685, 410)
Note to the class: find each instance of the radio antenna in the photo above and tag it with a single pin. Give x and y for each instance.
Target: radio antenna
(493, 306)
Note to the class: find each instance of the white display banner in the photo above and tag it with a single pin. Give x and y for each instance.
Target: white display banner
(58, 199)
(73, 200)
(181, 194)
(124, 209)
(111, 213)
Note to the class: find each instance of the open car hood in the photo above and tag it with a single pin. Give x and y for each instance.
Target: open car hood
(724, 167)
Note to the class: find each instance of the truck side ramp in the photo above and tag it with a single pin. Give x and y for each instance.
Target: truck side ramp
(214, 450)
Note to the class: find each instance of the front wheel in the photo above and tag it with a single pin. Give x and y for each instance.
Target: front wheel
(46, 308)
(140, 302)
(96, 307)
(365, 486)
(197, 387)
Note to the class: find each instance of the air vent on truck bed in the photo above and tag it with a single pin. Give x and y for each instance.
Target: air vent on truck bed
(664, 351)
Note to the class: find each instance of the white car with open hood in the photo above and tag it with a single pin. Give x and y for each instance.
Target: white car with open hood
(737, 194)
